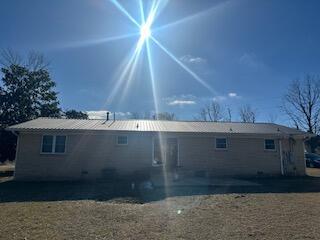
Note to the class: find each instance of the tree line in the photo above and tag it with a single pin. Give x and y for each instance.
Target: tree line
(300, 103)
(216, 112)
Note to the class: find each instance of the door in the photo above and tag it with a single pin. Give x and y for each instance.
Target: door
(171, 153)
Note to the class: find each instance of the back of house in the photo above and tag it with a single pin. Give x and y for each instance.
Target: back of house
(69, 149)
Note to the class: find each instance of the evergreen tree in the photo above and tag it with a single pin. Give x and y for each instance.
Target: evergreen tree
(25, 94)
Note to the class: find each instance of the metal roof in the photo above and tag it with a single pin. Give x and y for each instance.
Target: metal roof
(155, 126)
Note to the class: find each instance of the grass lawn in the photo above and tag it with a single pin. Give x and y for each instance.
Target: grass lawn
(78, 211)
(314, 172)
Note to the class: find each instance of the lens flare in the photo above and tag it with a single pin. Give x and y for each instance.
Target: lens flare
(125, 12)
(145, 31)
(132, 62)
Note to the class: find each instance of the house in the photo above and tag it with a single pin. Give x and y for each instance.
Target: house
(60, 149)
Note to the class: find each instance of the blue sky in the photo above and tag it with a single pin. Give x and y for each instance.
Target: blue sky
(247, 51)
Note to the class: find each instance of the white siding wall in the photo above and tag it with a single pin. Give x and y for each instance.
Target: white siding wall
(94, 152)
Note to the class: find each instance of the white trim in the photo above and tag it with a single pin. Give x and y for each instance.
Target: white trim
(122, 144)
(270, 150)
(221, 149)
(152, 160)
(53, 148)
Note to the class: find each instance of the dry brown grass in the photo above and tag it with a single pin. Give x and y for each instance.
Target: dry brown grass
(6, 167)
(217, 216)
(314, 172)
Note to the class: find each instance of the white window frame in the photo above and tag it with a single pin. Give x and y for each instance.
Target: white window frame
(122, 144)
(162, 164)
(221, 149)
(53, 149)
(271, 150)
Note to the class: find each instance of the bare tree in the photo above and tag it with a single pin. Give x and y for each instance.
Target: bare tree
(139, 115)
(272, 117)
(248, 114)
(229, 114)
(9, 57)
(135, 115)
(164, 116)
(34, 61)
(302, 103)
(202, 115)
(213, 112)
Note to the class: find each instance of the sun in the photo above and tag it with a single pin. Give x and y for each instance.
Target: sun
(145, 31)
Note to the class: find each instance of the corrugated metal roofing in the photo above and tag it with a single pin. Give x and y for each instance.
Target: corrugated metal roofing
(155, 126)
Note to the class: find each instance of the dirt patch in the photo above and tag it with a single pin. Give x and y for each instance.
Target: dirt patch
(221, 216)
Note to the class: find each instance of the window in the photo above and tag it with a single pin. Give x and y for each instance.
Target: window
(60, 145)
(269, 144)
(221, 143)
(47, 144)
(122, 140)
(53, 144)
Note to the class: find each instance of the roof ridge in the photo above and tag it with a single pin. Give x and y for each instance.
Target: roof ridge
(164, 120)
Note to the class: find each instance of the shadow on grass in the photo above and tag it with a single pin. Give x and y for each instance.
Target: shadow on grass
(121, 191)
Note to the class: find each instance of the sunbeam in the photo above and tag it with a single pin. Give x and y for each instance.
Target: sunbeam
(194, 75)
(156, 107)
(193, 16)
(125, 67)
(145, 28)
(130, 75)
(127, 75)
(125, 12)
(153, 83)
(141, 11)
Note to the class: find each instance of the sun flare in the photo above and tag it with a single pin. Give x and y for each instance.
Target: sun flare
(145, 31)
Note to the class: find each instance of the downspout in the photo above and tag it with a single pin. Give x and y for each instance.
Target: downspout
(281, 157)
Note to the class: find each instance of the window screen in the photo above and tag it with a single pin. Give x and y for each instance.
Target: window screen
(221, 143)
(47, 144)
(60, 146)
(122, 140)
(269, 144)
